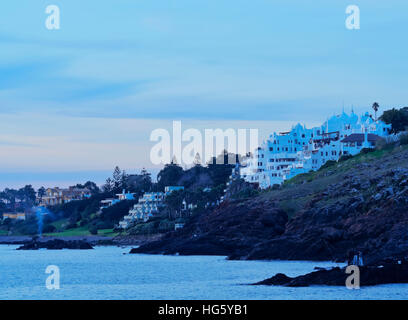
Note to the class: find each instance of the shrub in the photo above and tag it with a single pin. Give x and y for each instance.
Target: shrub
(367, 150)
(345, 157)
(404, 138)
(104, 225)
(83, 222)
(71, 225)
(49, 228)
(93, 230)
(328, 164)
(166, 225)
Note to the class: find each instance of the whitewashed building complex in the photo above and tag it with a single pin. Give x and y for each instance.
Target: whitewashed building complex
(148, 205)
(286, 154)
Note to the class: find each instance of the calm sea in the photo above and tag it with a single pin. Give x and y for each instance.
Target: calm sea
(111, 273)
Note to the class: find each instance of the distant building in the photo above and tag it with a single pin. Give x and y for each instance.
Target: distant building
(287, 154)
(178, 226)
(125, 195)
(106, 203)
(14, 216)
(170, 189)
(55, 196)
(148, 205)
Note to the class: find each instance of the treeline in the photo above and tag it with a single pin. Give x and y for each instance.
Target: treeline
(12, 200)
(202, 185)
(398, 118)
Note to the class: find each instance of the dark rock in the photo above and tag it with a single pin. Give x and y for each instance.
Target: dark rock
(56, 244)
(369, 276)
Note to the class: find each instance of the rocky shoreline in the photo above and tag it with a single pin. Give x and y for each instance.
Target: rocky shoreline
(56, 244)
(388, 273)
(93, 240)
(15, 240)
(356, 206)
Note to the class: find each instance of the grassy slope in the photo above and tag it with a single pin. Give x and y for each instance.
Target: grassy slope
(298, 191)
(80, 231)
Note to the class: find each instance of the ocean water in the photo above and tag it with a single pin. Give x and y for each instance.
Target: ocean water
(111, 273)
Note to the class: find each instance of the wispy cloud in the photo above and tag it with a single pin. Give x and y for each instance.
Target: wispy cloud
(89, 94)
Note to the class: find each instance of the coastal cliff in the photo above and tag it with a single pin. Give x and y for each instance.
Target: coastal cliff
(357, 204)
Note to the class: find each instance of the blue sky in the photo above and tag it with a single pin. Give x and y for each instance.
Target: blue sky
(75, 102)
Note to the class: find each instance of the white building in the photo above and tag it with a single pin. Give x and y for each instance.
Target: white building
(106, 203)
(170, 189)
(286, 154)
(148, 205)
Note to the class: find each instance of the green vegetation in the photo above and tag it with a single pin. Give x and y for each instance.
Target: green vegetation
(81, 231)
(203, 186)
(397, 118)
(297, 192)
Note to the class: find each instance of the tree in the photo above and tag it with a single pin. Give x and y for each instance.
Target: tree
(92, 187)
(116, 212)
(197, 159)
(174, 201)
(146, 180)
(117, 177)
(41, 193)
(169, 175)
(397, 118)
(27, 194)
(108, 186)
(10, 195)
(123, 180)
(375, 107)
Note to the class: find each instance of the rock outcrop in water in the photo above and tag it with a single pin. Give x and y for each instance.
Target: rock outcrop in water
(56, 244)
(369, 276)
(357, 205)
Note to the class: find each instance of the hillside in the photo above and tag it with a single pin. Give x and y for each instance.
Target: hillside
(357, 204)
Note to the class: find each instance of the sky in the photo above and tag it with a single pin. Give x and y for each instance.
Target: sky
(77, 101)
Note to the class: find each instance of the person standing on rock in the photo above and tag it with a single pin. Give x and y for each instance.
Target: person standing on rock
(360, 259)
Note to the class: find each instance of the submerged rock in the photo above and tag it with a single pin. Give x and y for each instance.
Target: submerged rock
(56, 244)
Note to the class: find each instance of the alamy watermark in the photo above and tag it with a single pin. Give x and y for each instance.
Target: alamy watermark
(353, 18)
(200, 148)
(52, 282)
(52, 21)
(353, 280)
